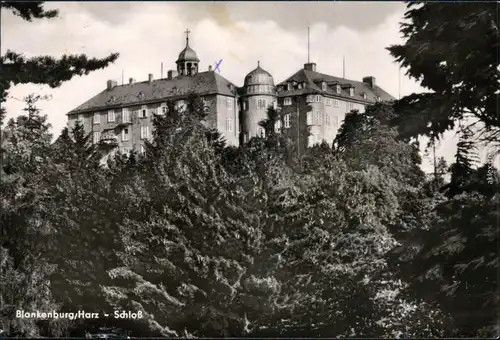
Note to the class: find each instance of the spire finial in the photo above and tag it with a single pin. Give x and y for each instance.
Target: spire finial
(258, 63)
(187, 31)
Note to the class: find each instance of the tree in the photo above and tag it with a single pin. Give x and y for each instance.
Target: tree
(452, 50)
(17, 69)
(24, 203)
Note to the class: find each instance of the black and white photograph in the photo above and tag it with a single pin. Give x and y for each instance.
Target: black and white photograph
(253, 169)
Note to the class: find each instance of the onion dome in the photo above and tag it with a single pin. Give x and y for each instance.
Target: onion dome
(259, 76)
(187, 54)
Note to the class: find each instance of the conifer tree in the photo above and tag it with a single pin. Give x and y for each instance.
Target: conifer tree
(17, 69)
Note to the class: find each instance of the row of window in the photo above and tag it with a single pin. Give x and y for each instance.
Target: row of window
(125, 135)
(312, 119)
(260, 89)
(315, 99)
(144, 112)
(262, 104)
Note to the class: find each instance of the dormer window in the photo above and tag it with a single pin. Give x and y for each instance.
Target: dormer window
(364, 95)
(323, 86)
(144, 111)
(378, 98)
(351, 91)
(338, 89)
(287, 101)
(289, 86)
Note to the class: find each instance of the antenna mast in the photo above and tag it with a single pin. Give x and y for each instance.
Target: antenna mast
(343, 67)
(161, 70)
(308, 45)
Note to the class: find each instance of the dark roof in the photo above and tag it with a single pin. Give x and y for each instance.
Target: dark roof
(187, 54)
(258, 76)
(203, 83)
(313, 85)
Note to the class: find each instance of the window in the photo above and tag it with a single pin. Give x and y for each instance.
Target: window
(328, 101)
(350, 106)
(335, 122)
(310, 99)
(277, 126)
(97, 137)
(327, 119)
(275, 104)
(261, 104)
(289, 86)
(336, 103)
(229, 124)
(318, 99)
(245, 105)
(229, 103)
(144, 132)
(378, 98)
(97, 118)
(287, 120)
(79, 118)
(317, 118)
(364, 95)
(338, 88)
(143, 149)
(163, 109)
(125, 115)
(300, 86)
(261, 132)
(287, 101)
(309, 118)
(124, 135)
(111, 116)
(351, 91)
(144, 111)
(323, 86)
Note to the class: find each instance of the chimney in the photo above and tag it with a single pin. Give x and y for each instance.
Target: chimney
(131, 80)
(370, 81)
(111, 84)
(150, 78)
(209, 68)
(171, 74)
(310, 67)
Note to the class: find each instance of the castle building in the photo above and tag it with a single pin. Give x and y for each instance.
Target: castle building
(120, 116)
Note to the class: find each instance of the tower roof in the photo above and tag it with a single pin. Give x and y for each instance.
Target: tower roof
(259, 76)
(187, 54)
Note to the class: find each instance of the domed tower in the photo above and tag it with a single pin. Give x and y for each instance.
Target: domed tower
(187, 63)
(257, 96)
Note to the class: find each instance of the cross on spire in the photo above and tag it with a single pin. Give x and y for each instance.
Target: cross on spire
(187, 31)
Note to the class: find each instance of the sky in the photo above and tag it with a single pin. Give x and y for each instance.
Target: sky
(147, 34)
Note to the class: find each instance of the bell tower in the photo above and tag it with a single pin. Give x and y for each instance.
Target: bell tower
(187, 63)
